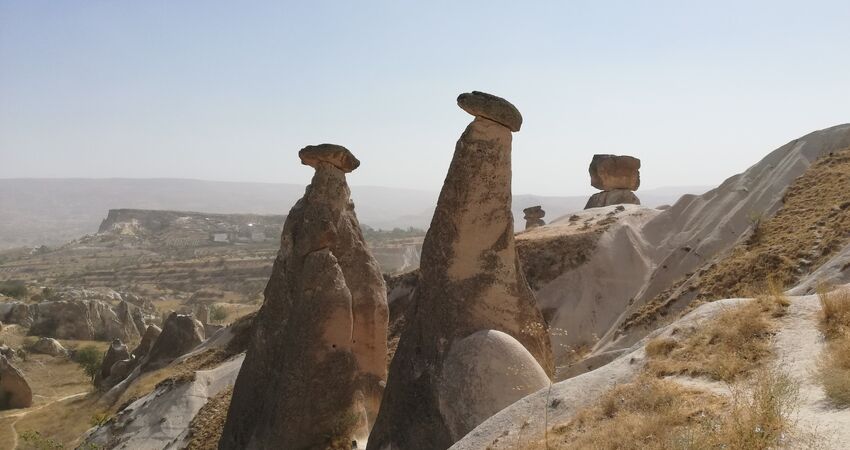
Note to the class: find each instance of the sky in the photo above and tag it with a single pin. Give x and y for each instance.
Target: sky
(231, 91)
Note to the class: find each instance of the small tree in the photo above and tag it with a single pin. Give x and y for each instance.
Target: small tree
(90, 359)
(217, 313)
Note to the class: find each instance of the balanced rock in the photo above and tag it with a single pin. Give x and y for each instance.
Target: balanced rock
(48, 346)
(534, 217)
(320, 338)
(15, 391)
(497, 109)
(180, 334)
(615, 197)
(470, 281)
(610, 172)
(336, 155)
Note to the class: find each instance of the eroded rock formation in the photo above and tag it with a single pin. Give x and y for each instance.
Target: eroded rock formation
(76, 319)
(534, 217)
(15, 391)
(152, 332)
(117, 351)
(471, 282)
(617, 177)
(180, 334)
(319, 342)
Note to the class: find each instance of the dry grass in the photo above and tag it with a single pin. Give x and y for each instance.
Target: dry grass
(734, 342)
(205, 429)
(833, 370)
(835, 312)
(62, 422)
(656, 414)
(813, 224)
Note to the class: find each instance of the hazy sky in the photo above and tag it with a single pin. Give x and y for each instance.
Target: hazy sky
(232, 90)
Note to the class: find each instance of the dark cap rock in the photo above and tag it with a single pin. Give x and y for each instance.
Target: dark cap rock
(491, 107)
(336, 155)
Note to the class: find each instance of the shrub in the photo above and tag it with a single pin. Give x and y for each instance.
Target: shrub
(218, 313)
(34, 440)
(835, 312)
(833, 370)
(99, 419)
(90, 359)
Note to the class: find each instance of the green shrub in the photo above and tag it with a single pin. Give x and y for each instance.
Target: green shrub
(34, 440)
(90, 359)
(217, 313)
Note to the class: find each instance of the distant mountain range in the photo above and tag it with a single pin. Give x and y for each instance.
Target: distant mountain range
(50, 212)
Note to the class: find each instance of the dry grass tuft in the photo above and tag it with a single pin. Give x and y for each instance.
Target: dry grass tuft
(636, 415)
(732, 343)
(655, 414)
(835, 312)
(833, 370)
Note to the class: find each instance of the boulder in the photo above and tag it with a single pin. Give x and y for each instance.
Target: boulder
(180, 334)
(483, 373)
(615, 197)
(320, 338)
(336, 155)
(610, 172)
(534, 217)
(497, 109)
(151, 333)
(48, 346)
(15, 391)
(470, 280)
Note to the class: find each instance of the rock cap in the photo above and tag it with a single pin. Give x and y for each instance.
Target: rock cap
(535, 212)
(610, 172)
(336, 155)
(491, 107)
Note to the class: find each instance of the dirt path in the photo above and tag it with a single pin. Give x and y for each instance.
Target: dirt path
(798, 346)
(18, 415)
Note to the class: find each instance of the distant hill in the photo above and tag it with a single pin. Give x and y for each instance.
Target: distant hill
(53, 211)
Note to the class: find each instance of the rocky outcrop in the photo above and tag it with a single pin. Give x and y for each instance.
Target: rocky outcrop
(471, 281)
(48, 346)
(534, 217)
(180, 334)
(320, 337)
(152, 332)
(617, 177)
(15, 391)
(80, 320)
